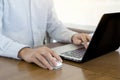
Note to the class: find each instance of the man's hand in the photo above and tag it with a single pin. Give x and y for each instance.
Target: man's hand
(77, 39)
(42, 56)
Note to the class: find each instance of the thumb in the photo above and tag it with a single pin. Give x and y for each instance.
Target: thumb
(77, 42)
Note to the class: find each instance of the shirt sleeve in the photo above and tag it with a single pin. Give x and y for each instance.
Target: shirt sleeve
(55, 28)
(8, 47)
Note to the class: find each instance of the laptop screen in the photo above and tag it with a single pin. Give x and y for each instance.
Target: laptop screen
(106, 37)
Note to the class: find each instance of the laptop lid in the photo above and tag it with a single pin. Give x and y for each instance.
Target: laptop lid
(106, 37)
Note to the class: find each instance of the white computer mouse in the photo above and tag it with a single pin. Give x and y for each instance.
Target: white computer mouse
(58, 66)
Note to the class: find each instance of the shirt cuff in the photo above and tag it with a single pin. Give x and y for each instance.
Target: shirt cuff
(13, 50)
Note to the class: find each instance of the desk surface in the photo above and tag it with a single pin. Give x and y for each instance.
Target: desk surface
(106, 67)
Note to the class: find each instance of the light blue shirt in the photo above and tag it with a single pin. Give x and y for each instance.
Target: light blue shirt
(23, 23)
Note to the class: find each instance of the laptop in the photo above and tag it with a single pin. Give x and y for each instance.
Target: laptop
(105, 39)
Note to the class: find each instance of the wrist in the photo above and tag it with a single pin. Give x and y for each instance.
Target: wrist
(22, 52)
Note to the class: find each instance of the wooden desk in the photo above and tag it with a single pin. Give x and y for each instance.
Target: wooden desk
(106, 67)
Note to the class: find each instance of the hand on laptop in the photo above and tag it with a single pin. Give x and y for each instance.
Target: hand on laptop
(80, 38)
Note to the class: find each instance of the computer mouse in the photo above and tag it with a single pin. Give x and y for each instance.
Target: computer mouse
(58, 66)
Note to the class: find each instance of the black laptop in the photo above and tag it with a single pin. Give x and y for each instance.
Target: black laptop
(105, 39)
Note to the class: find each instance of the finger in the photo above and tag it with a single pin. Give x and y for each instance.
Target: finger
(50, 59)
(84, 39)
(77, 41)
(37, 62)
(44, 61)
(89, 38)
(55, 55)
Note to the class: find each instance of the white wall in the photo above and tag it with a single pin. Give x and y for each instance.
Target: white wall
(84, 12)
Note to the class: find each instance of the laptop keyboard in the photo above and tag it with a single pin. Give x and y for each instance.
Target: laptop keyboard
(78, 53)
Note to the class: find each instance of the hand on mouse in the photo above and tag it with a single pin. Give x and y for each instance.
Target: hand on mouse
(42, 56)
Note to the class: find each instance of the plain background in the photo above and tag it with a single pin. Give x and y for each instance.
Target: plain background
(84, 14)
